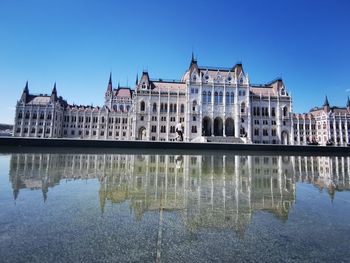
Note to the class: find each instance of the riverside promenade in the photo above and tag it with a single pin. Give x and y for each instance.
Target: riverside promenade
(7, 143)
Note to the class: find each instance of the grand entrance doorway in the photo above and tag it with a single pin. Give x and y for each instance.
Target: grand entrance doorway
(229, 127)
(218, 127)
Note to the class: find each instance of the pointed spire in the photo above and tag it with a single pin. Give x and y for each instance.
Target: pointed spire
(25, 93)
(137, 79)
(54, 93)
(26, 89)
(326, 103)
(54, 90)
(193, 62)
(348, 103)
(109, 87)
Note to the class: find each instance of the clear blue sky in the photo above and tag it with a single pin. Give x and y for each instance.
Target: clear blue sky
(77, 43)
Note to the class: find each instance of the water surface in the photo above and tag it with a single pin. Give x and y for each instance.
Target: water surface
(87, 207)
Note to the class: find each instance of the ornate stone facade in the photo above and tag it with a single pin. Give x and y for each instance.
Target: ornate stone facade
(213, 104)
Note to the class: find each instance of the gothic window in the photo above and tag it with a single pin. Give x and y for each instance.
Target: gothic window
(209, 97)
(232, 97)
(194, 105)
(121, 107)
(142, 106)
(216, 98)
(127, 108)
(204, 97)
(19, 115)
(182, 108)
(285, 111)
(27, 115)
(273, 112)
(154, 107)
(165, 107)
(175, 108)
(171, 108)
(242, 107)
(220, 97)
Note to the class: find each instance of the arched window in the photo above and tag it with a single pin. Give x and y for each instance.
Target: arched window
(204, 97)
(127, 108)
(216, 98)
(121, 107)
(161, 107)
(142, 106)
(103, 119)
(165, 107)
(171, 107)
(227, 98)
(220, 98)
(232, 98)
(243, 107)
(175, 107)
(154, 107)
(209, 97)
(194, 105)
(285, 111)
(182, 108)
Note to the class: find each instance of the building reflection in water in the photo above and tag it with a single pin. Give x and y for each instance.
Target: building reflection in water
(221, 191)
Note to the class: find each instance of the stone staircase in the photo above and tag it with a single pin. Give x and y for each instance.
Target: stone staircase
(222, 139)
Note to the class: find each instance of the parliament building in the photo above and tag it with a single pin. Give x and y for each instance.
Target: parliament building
(213, 104)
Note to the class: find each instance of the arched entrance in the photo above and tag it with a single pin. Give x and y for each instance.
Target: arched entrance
(206, 126)
(218, 126)
(142, 133)
(229, 127)
(284, 138)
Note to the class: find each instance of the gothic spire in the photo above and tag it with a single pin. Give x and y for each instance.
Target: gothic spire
(54, 92)
(25, 93)
(348, 103)
(109, 87)
(137, 79)
(54, 89)
(26, 89)
(326, 103)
